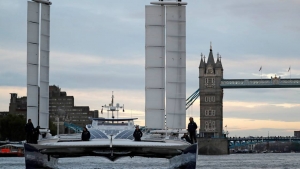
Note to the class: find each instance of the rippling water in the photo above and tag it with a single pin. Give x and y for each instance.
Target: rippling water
(234, 161)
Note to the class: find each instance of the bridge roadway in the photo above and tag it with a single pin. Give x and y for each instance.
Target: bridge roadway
(260, 83)
(243, 141)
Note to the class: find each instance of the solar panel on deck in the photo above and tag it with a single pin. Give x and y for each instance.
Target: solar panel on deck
(127, 134)
(97, 134)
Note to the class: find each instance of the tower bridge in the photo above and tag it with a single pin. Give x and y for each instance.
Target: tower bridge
(211, 85)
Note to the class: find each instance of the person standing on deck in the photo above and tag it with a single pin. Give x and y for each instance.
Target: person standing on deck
(192, 130)
(85, 135)
(186, 138)
(137, 134)
(36, 134)
(29, 129)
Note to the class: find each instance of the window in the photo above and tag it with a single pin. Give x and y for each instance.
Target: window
(210, 125)
(210, 112)
(209, 98)
(210, 82)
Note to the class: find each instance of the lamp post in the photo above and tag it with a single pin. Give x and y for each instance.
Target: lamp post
(58, 113)
(226, 131)
(68, 120)
(57, 130)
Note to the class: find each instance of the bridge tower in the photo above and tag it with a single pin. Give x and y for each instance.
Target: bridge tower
(211, 96)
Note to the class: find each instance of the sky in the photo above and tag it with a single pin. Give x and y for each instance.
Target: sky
(97, 47)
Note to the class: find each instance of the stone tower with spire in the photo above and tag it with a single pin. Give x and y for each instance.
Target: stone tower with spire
(211, 96)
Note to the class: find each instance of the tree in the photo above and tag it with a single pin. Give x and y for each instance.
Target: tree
(12, 127)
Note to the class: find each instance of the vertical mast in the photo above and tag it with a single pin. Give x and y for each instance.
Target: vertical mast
(112, 108)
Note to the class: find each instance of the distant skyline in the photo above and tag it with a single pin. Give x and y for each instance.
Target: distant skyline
(98, 47)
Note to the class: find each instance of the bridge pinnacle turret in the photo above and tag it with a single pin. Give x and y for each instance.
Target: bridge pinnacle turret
(202, 65)
(219, 63)
(210, 59)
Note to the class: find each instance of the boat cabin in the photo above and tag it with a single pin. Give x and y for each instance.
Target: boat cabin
(109, 123)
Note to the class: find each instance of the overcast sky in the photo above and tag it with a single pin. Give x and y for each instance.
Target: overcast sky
(98, 47)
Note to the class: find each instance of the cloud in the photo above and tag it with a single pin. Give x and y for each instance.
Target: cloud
(62, 60)
(265, 14)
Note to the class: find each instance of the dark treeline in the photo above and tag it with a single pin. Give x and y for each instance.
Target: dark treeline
(12, 128)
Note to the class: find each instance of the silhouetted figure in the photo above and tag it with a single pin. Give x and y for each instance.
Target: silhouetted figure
(85, 136)
(29, 129)
(137, 134)
(192, 130)
(36, 134)
(186, 138)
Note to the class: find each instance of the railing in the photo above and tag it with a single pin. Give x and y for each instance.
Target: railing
(262, 138)
(74, 127)
(244, 141)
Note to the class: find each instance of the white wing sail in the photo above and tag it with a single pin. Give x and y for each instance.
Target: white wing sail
(175, 67)
(32, 61)
(155, 67)
(44, 66)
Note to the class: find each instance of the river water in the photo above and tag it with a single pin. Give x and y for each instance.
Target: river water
(233, 161)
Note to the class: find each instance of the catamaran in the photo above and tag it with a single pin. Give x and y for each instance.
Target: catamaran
(165, 95)
(112, 138)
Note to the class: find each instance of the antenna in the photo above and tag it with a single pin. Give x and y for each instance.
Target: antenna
(111, 107)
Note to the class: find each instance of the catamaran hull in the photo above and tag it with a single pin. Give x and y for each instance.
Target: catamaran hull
(39, 156)
(186, 160)
(35, 160)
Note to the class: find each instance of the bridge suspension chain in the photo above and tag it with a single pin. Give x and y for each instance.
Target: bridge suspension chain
(190, 100)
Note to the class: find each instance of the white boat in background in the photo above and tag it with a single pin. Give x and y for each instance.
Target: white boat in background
(112, 138)
(12, 150)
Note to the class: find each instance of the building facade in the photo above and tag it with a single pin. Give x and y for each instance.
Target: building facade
(211, 97)
(18, 106)
(60, 105)
(297, 134)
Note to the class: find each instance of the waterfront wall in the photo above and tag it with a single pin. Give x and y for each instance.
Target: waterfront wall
(213, 146)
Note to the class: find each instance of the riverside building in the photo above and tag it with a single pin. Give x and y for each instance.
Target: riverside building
(60, 105)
